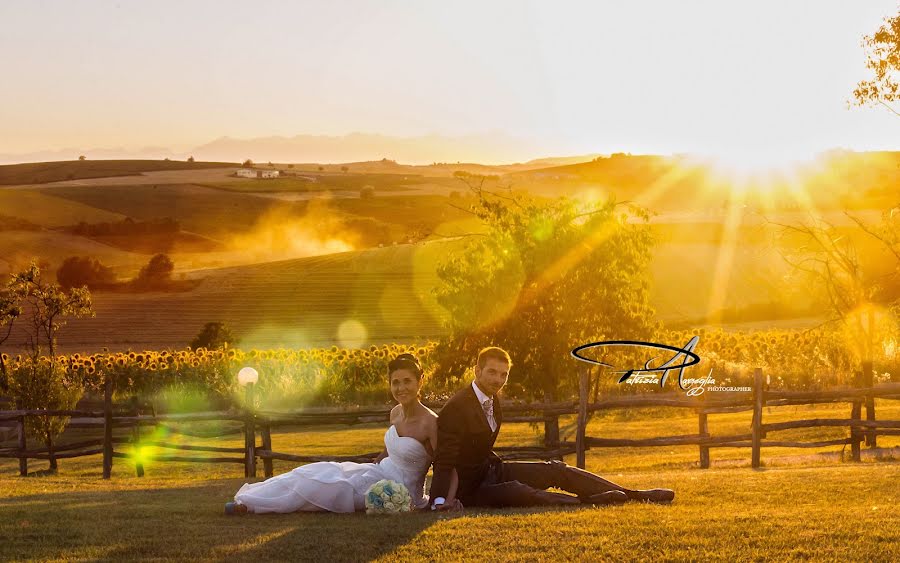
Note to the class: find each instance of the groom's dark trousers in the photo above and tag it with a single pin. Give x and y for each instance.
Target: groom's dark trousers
(465, 443)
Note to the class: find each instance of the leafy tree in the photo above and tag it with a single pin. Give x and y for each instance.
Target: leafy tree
(46, 385)
(247, 163)
(862, 303)
(344, 169)
(883, 59)
(44, 382)
(367, 192)
(157, 273)
(321, 168)
(46, 305)
(544, 277)
(82, 157)
(213, 336)
(78, 271)
(190, 158)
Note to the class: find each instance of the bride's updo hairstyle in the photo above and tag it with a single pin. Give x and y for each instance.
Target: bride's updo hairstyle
(406, 361)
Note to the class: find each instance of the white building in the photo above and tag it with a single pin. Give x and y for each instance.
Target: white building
(250, 173)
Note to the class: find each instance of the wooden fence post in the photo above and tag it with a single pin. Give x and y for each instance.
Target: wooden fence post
(23, 447)
(266, 431)
(704, 433)
(582, 417)
(758, 402)
(551, 427)
(855, 414)
(868, 382)
(107, 428)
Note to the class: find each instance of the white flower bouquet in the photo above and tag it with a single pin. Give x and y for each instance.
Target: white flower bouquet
(387, 497)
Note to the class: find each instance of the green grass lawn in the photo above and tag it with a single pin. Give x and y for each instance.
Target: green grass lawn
(798, 507)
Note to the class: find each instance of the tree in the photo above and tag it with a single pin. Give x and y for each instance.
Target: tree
(862, 302)
(367, 192)
(883, 59)
(190, 158)
(44, 382)
(213, 336)
(82, 157)
(46, 305)
(344, 169)
(78, 271)
(247, 163)
(321, 168)
(157, 273)
(46, 385)
(544, 277)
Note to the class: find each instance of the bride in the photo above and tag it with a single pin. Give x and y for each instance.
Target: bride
(409, 446)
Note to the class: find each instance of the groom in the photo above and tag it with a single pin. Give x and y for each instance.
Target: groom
(467, 429)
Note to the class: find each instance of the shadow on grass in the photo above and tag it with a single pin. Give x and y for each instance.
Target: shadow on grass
(189, 523)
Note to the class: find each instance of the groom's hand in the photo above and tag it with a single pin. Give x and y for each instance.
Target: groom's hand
(455, 506)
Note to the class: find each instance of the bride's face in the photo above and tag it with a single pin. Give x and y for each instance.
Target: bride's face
(404, 386)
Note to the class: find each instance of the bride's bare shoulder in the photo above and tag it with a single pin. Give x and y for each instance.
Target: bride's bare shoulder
(430, 415)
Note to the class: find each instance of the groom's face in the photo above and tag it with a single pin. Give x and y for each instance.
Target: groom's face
(492, 377)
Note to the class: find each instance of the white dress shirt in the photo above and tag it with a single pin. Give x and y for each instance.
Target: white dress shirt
(489, 414)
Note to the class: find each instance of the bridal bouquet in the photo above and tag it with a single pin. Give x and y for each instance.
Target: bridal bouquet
(387, 497)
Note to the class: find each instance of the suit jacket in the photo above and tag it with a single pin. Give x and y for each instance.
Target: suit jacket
(465, 442)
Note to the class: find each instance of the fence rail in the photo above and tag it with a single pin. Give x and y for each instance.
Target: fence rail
(251, 425)
(864, 394)
(260, 424)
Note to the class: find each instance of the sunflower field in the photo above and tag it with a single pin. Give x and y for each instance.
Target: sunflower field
(293, 378)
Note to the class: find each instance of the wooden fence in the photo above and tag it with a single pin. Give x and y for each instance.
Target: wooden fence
(251, 425)
(259, 424)
(864, 394)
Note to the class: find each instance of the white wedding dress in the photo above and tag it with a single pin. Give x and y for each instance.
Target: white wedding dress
(341, 486)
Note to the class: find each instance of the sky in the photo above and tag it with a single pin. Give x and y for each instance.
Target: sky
(564, 77)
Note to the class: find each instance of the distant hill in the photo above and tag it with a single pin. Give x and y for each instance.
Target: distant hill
(364, 147)
(835, 179)
(561, 160)
(43, 172)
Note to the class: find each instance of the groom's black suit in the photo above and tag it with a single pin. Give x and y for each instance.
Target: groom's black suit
(465, 442)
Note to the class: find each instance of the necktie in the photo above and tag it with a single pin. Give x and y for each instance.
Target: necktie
(488, 406)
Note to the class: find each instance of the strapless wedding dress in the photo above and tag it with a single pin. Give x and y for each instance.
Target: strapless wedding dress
(341, 486)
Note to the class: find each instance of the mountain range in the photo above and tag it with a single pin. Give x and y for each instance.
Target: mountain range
(494, 148)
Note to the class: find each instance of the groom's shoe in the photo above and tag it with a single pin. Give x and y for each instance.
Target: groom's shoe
(660, 496)
(235, 508)
(608, 497)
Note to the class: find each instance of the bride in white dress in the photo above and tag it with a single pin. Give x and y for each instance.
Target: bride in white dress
(409, 445)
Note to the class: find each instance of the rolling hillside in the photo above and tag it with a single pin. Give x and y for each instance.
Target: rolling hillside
(43, 172)
(303, 302)
(292, 303)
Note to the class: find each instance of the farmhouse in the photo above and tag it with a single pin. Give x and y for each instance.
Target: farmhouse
(249, 173)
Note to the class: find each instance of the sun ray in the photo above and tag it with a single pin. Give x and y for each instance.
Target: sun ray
(725, 257)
